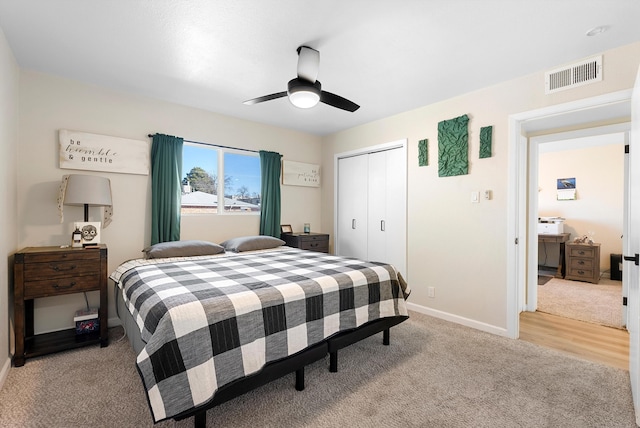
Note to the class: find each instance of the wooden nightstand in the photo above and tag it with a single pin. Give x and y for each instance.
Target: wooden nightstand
(53, 271)
(307, 241)
(583, 262)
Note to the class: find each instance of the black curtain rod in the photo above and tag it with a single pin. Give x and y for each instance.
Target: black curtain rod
(214, 145)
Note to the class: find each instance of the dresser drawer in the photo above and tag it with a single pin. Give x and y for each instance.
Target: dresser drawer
(66, 285)
(55, 269)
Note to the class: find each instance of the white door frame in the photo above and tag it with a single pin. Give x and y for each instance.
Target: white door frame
(518, 234)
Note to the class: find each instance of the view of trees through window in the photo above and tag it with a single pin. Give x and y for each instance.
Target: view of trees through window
(202, 190)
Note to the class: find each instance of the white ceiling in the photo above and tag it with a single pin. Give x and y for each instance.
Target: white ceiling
(387, 56)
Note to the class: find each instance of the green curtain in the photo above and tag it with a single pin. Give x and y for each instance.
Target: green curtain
(270, 193)
(166, 188)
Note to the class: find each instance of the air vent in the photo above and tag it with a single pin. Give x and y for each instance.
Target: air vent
(572, 76)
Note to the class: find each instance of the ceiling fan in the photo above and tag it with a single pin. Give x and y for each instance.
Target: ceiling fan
(305, 91)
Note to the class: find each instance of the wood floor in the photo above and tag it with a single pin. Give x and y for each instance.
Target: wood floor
(589, 341)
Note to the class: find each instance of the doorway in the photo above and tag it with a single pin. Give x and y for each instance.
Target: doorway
(594, 158)
(522, 236)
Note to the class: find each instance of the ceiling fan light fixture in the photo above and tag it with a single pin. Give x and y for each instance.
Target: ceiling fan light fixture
(303, 94)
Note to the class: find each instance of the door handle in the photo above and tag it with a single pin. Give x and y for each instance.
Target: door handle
(382, 225)
(353, 223)
(635, 259)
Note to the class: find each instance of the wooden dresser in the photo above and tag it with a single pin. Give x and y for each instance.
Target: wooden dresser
(54, 271)
(307, 241)
(583, 262)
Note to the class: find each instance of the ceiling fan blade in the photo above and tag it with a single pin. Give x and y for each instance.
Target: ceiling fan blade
(308, 63)
(265, 98)
(338, 102)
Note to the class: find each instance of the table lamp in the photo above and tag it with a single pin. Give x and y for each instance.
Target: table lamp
(87, 190)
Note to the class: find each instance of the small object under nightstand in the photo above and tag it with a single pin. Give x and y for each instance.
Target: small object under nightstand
(307, 241)
(54, 271)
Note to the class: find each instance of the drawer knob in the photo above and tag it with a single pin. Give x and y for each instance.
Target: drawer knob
(57, 268)
(64, 287)
(580, 272)
(580, 262)
(581, 252)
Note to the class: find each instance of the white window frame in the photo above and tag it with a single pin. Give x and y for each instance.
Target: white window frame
(221, 151)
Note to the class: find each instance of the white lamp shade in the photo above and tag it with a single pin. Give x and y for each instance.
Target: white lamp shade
(88, 190)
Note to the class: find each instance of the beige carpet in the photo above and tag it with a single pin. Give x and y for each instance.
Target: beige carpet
(434, 374)
(595, 303)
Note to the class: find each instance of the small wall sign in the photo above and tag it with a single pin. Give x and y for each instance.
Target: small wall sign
(300, 174)
(93, 152)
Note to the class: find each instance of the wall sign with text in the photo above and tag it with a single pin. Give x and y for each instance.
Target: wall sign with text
(300, 174)
(93, 152)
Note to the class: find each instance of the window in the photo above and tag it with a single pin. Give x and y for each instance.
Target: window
(202, 189)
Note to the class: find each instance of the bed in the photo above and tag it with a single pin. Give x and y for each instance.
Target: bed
(207, 328)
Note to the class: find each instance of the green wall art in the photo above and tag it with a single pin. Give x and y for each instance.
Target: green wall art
(453, 147)
(485, 141)
(423, 154)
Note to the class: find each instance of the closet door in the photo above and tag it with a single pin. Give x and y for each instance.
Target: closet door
(387, 208)
(352, 207)
(377, 207)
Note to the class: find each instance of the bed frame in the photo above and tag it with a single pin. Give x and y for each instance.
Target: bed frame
(297, 363)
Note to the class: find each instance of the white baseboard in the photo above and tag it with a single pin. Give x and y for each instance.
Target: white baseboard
(4, 373)
(500, 331)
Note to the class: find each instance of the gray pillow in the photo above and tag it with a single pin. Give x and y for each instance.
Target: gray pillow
(250, 243)
(182, 249)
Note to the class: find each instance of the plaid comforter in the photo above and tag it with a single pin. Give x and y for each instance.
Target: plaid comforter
(208, 321)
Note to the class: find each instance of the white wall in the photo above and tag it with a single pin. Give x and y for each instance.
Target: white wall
(598, 208)
(48, 104)
(9, 82)
(453, 245)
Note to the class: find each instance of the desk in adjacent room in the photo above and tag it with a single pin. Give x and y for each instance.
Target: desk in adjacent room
(560, 238)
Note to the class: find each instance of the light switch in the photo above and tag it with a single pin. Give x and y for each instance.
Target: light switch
(475, 197)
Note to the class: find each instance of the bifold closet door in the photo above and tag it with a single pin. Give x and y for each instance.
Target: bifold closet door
(352, 207)
(386, 211)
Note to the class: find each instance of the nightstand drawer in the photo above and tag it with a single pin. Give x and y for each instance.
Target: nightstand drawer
(577, 273)
(66, 285)
(581, 263)
(307, 241)
(582, 251)
(321, 246)
(38, 271)
(313, 238)
(60, 256)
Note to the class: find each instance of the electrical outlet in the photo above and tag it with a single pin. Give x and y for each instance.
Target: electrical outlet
(431, 292)
(487, 195)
